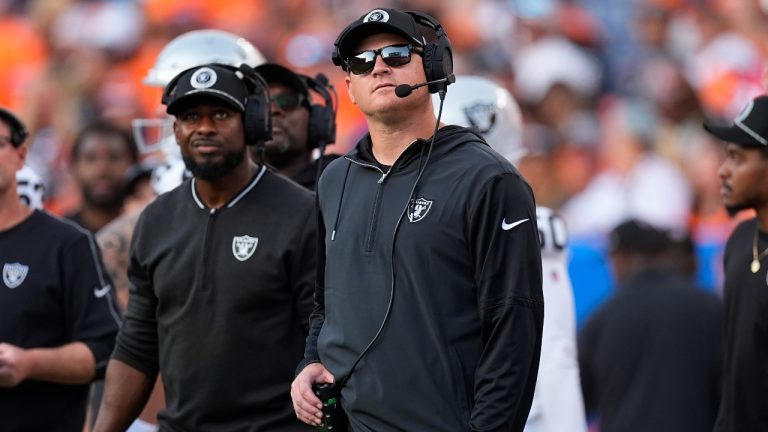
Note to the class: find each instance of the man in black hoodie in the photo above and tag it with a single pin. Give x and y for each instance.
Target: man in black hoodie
(420, 320)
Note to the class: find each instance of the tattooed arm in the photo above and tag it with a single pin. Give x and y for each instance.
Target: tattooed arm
(114, 241)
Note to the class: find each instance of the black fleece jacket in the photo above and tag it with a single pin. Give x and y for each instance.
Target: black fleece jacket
(459, 350)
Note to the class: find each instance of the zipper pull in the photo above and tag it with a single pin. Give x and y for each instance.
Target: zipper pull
(213, 211)
(384, 176)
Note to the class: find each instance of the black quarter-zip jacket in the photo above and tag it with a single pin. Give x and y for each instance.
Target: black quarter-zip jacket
(460, 347)
(219, 303)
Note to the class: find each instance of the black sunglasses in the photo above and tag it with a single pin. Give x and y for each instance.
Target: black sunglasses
(287, 101)
(393, 55)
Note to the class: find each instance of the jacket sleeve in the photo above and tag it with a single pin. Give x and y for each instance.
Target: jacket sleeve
(137, 342)
(94, 317)
(317, 317)
(507, 261)
(303, 278)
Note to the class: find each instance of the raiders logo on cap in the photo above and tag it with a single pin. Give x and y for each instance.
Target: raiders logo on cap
(203, 78)
(376, 15)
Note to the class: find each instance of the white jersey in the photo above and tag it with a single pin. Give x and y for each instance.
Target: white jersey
(558, 405)
(30, 187)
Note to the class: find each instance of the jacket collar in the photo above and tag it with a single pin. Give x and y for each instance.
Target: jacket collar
(256, 178)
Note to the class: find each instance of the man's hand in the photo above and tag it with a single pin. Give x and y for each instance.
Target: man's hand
(14, 367)
(307, 406)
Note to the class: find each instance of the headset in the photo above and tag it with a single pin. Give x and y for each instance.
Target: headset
(437, 57)
(322, 118)
(19, 132)
(257, 117)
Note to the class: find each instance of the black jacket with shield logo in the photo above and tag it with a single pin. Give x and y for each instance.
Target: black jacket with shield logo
(460, 347)
(219, 304)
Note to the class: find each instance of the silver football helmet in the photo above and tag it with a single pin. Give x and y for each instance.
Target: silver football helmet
(199, 47)
(489, 109)
(194, 48)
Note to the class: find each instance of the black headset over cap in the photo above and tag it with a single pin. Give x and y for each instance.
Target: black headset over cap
(322, 118)
(438, 57)
(19, 132)
(241, 88)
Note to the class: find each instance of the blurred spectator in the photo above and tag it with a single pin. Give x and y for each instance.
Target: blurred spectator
(650, 357)
(635, 183)
(101, 156)
(725, 68)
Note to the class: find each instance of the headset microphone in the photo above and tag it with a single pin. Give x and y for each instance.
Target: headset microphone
(404, 90)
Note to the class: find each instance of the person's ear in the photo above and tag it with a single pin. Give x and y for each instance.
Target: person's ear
(22, 152)
(349, 90)
(175, 130)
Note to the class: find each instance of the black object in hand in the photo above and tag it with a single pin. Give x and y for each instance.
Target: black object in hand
(334, 419)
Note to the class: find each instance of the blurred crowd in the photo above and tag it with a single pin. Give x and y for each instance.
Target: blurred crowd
(613, 94)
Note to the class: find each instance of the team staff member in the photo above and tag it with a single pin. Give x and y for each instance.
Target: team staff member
(298, 125)
(221, 274)
(190, 49)
(432, 244)
(58, 318)
(745, 186)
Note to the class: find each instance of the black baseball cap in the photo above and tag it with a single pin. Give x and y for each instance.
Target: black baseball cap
(636, 236)
(275, 73)
(211, 80)
(377, 21)
(749, 128)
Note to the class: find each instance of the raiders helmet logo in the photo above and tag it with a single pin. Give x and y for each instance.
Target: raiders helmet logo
(481, 117)
(244, 246)
(203, 78)
(376, 15)
(418, 209)
(14, 274)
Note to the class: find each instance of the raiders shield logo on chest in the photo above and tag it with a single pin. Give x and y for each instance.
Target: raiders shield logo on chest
(244, 246)
(14, 274)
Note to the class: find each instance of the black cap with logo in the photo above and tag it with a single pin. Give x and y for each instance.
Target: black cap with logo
(215, 81)
(749, 128)
(374, 22)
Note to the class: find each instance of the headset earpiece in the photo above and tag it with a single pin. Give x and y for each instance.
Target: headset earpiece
(322, 118)
(257, 118)
(437, 57)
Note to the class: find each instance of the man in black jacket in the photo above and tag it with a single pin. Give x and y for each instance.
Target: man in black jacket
(420, 319)
(650, 358)
(221, 273)
(299, 126)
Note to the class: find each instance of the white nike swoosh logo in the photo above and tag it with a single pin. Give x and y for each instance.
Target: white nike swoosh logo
(99, 293)
(506, 227)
